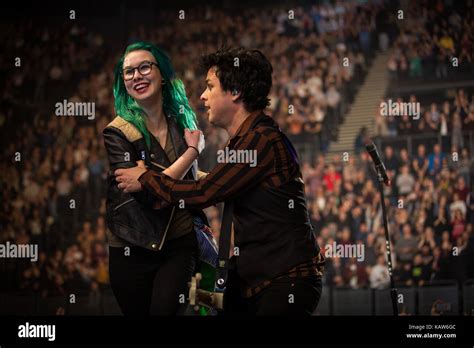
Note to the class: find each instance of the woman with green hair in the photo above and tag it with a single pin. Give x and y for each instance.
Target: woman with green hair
(152, 253)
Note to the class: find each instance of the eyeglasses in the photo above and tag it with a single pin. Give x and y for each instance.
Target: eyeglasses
(144, 69)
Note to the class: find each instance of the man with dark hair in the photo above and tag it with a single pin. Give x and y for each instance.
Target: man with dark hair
(279, 266)
(245, 71)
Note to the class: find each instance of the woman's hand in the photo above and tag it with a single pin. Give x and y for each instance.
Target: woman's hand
(181, 166)
(194, 138)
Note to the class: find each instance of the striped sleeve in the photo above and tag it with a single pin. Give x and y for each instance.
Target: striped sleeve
(226, 179)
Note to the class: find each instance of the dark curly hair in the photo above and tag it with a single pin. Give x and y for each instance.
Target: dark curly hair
(242, 70)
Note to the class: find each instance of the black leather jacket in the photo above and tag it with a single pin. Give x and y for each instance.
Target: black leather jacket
(130, 216)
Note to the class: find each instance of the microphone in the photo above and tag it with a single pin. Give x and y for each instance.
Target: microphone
(381, 170)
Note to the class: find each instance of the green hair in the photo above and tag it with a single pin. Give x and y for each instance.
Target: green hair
(175, 101)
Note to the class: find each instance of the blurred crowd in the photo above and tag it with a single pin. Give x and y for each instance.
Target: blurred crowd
(450, 120)
(435, 40)
(54, 168)
(430, 212)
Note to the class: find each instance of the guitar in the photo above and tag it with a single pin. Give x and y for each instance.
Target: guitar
(199, 297)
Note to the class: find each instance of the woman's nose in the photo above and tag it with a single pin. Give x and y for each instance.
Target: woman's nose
(137, 76)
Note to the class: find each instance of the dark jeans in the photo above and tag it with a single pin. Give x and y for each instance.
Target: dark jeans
(284, 297)
(153, 280)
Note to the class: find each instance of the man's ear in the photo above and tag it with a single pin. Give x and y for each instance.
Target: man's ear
(235, 94)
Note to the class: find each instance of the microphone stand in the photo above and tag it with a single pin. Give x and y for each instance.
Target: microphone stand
(393, 290)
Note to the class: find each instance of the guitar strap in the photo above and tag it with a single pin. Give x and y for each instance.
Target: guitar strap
(224, 247)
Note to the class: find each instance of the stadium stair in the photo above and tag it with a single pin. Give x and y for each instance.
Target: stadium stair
(362, 112)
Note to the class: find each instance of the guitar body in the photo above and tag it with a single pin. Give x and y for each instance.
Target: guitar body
(204, 300)
(202, 284)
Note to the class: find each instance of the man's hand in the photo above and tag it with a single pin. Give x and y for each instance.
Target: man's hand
(128, 178)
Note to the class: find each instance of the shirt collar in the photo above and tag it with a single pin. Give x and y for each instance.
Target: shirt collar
(249, 123)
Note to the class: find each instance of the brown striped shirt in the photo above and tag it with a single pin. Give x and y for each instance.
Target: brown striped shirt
(315, 267)
(274, 167)
(271, 223)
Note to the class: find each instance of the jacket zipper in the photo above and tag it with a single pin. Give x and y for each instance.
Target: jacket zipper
(167, 227)
(172, 211)
(121, 204)
(158, 165)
